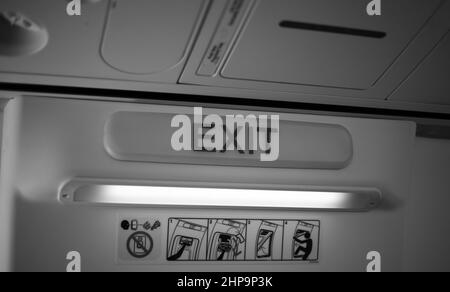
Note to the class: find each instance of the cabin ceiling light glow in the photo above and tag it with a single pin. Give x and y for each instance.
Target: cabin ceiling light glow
(356, 200)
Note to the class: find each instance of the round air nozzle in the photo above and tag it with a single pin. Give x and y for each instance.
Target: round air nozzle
(19, 35)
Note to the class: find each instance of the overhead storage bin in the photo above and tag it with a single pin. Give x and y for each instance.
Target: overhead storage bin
(324, 43)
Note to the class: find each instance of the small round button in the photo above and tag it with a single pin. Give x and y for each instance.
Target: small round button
(125, 225)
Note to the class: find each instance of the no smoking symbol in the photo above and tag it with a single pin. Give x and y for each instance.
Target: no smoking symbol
(140, 245)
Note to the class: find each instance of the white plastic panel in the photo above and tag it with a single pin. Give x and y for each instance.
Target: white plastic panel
(268, 52)
(56, 140)
(430, 82)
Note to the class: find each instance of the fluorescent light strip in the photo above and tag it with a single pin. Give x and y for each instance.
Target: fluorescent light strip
(359, 200)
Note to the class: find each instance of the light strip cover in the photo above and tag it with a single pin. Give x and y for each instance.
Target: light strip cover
(356, 200)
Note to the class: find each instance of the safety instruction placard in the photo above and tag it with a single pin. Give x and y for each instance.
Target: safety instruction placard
(243, 240)
(139, 239)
